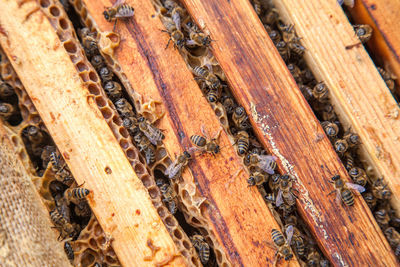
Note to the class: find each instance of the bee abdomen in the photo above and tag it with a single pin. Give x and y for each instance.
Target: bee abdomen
(125, 10)
(69, 251)
(56, 217)
(79, 193)
(200, 71)
(348, 197)
(243, 146)
(150, 155)
(204, 253)
(277, 237)
(198, 140)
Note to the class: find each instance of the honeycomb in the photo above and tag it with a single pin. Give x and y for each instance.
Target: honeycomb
(65, 30)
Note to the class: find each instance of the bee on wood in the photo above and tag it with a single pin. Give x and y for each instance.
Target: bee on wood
(283, 50)
(285, 192)
(380, 190)
(6, 90)
(343, 190)
(7, 111)
(144, 145)
(275, 36)
(113, 90)
(297, 239)
(321, 92)
(331, 129)
(292, 41)
(175, 169)
(169, 196)
(242, 141)
(240, 118)
(382, 218)
(257, 7)
(352, 139)
(296, 72)
(202, 247)
(76, 194)
(228, 103)
(214, 95)
(358, 175)
(154, 134)
(271, 17)
(130, 123)
(313, 258)
(97, 62)
(211, 79)
(307, 92)
(257, 179)
(69, 251)
(206, 143)
(370, 199)
(119, 10)
(125, 109)
(328, 113)
(106, 74)
(282, 245)
(363, 32)
(274, 182)
(265, 163)
(177, 13)
(394, 239)
(348, 161)
(198, 39)
(82, 209)
(387, 76)
(341, 146)
(61, 170)
(175, 34)
(307, 76)
(270, 198)
(61, 223)
(89, 41)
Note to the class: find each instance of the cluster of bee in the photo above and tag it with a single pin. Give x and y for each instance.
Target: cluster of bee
(9, 111)
(346, 143)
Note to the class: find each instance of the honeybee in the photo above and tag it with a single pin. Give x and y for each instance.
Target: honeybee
(124, 108)
(263, 162)
(313, 258)
(7, 110)
(145, 146)
(290, 38)
(202, 247)
(169, 197)
(175, 34)
(274, 182)
(307, 92)
(89, 41)
(82, 209)
(34, 134)
(358, 175)
(382, 218)
(113, 90)
(343, 190)
(175, 169)
(296, 72)
(352, 139)
(176, 12)
(282, 245)
(206, 143)
(76, 194)
(271, 17)
(257, 179)
(69, 251)
(370, 199)
(348, 161)
(105, 74)
(210, 78)
(257, 7)
(363, 32)
(307, 75)
(5, 90)
(331, 129)
(380, 190)
(270, 198)
(63, 174)
(275, 36)
(387, 76)
(328, 113)
(198, 39)
(321, 92)
(61, 223)
(242, 141)
(341, 146)
(283, 50)
(297, 239)
(393, 237)
(151, 132)
(214, 95)
(285, 192)
(97, 62)
(45, 155)
(119, 10)
(228, 103)
(240, 118)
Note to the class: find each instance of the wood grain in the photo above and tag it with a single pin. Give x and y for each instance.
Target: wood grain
(287, 127)
(383, 16)
(119, 200)
(237, 215)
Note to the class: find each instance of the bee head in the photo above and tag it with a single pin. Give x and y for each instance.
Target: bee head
(107, 15)
(239, 111)
(251, 181)
(187, 154)
(336, 178)
(211, 98)
(216, 149)
(141, 119)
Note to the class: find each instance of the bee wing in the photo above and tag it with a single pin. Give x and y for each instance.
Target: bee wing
(266, 161)
(279, 199)
(289, 234)
(125, 13)
(151, 134)
(173, 169)
(356, 187)
(177, 19)
(118, 2)
(338, 198)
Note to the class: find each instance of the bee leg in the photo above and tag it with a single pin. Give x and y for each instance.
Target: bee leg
(81, 184)
(168, 43)
(330, 193)
(115, 24)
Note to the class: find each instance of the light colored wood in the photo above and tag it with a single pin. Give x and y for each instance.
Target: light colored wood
(119, 200)
(26, 237)
(285, 124)
(357, 91)
(238, 215)
(383, 16)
